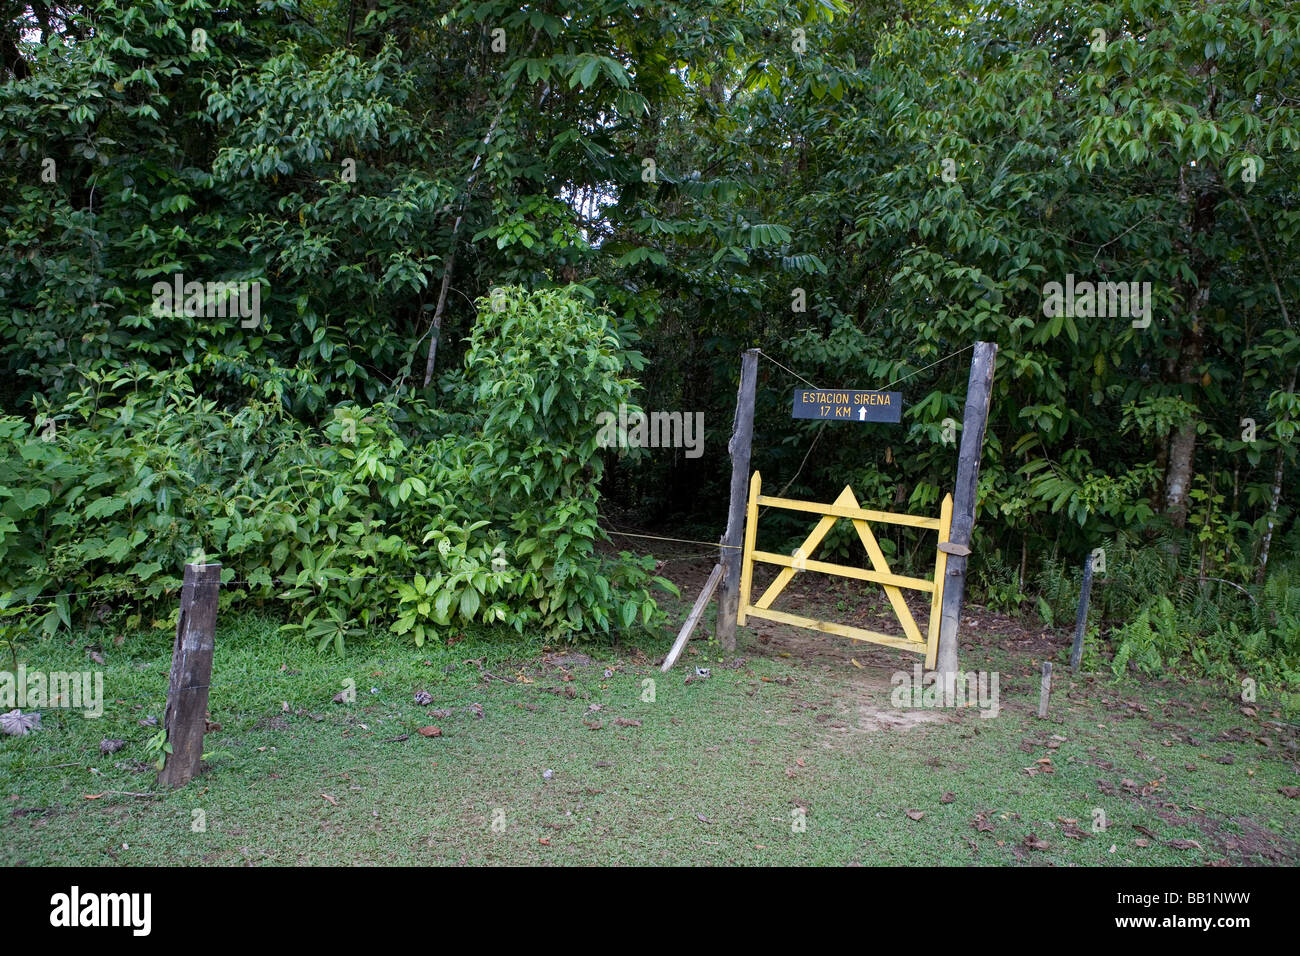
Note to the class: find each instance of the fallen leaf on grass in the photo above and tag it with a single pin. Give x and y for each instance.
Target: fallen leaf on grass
(1145, 831)
(1289, 792)
(594, 724)
(915, 814)
(107, 746)
(1034, 843)
(626, 722)
(1184, 844)
(332, 801)
(981, 823)
(17, 724)
(1142, 843)
(1074, 833)
(423, 698)
(948, 797)
(429, 731)
(544, 841)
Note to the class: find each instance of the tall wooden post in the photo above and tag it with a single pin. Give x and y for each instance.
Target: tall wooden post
(185, 719)
(1081, 618)
(979, 388)
(742, 440)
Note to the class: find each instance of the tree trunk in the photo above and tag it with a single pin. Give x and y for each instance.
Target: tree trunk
(1182, 446)
(1198, 223)
(1275, 497)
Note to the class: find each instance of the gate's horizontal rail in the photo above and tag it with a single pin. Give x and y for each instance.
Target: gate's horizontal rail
(842, 630)
(861, 574)
(840, 511)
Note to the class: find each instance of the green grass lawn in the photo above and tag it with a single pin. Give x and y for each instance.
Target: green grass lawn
(716, 770)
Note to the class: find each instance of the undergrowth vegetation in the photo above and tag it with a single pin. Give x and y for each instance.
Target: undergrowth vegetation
(1158, 612)
(402, 516)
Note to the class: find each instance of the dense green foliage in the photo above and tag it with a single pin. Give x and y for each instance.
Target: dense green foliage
(916, 173)
(388, 515)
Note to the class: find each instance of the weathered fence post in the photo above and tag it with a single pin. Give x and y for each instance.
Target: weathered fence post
(742, 439)
(1081, 619)
(979, 389)
(187, 692)
(1045, 689)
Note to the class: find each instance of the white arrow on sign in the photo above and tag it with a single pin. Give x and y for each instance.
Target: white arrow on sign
(862, 413)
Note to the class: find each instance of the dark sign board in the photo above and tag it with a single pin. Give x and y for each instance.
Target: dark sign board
(848, 405)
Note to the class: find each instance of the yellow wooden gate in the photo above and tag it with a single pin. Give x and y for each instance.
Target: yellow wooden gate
(846, 506)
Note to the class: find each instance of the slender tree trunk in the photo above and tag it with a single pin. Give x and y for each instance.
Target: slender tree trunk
(1275, 499)
(1198, 224)
(1182, 446)
(435, 329)
(1279, 465)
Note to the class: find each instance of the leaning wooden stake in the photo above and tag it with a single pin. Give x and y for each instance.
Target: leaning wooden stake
(693, 618)
(979, 388)
(1045, 689)
(185, 719)
(742, 439)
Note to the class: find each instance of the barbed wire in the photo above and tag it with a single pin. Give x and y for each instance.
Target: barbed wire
(783, 368)
(342, 670)
(299, 582)
(822, 428)
(924, 367)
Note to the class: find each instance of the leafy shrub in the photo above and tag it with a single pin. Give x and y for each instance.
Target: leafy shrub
(367, 521)
(1154, 637)
(997, 583)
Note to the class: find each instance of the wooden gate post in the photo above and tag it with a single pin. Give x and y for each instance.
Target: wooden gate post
(742, 440)
(185, 719)
(979, 388)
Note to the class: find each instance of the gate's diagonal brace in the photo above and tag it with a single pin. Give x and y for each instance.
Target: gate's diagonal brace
(805, 550)
(895, 595)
